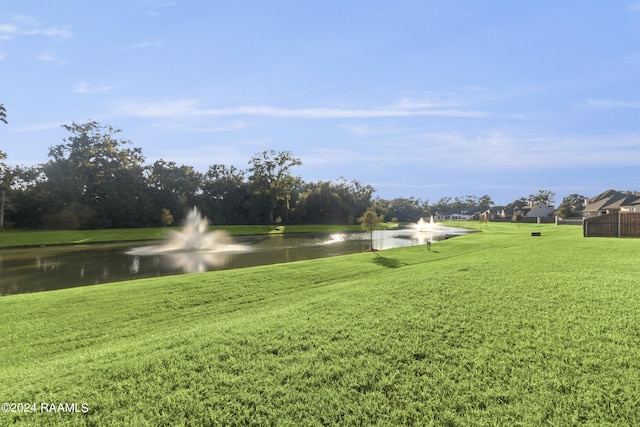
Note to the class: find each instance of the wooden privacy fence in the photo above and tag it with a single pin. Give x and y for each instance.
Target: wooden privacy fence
(616, 224)
(528, 220)
(569, 221)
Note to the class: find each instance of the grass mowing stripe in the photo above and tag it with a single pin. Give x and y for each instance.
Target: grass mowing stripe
(492, 328)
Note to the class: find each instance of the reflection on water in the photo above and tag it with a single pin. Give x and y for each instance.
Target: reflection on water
(48, 268)
(134, 268)
(197, 262)
(335, 238)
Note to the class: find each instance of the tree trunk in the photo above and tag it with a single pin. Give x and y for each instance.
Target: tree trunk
(2, 197)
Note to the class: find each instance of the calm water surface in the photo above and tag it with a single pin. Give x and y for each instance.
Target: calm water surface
(49, 268)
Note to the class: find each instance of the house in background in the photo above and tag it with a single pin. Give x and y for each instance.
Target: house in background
(539, 210)
(495, 212)
(611, 201)
(505, 212)
(518, 209)
(633, 206)
(461, 214)
(604, 203)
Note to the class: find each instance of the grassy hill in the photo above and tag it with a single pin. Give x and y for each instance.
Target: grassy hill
(491, 328)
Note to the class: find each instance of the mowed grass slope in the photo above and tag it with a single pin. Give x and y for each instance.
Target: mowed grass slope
(491, 328)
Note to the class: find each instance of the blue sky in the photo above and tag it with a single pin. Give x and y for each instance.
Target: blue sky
(419, 99)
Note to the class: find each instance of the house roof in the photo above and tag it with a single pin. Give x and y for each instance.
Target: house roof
(611, 199)
(495, 210)
(516, 205)
(539, 205)
(471, 210)
(605, 195)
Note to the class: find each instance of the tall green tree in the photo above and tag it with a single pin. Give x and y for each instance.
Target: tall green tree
(333, 202)
(370, 220)
(166, 218)
(546, 197)
(25, 196)
(359, 195)
(272, 181)
(3, 171)
(226, 194)
(442, 205)
(567, 208)
(4, 183)
(95, 181)
(485, 201)
(404, 209)
(174, 187)
(323, 202)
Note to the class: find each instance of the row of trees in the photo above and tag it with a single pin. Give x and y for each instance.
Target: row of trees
(3, 167)
(96, 180)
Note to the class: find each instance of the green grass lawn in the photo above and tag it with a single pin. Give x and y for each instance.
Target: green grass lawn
(490, 328)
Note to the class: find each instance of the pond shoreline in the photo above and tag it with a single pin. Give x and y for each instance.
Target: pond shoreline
(54, 266)
(15, 239)
(20, 239)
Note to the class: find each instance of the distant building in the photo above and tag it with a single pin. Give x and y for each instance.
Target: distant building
(539, 210)
(517, 207)
(611, 201)
(461, 214)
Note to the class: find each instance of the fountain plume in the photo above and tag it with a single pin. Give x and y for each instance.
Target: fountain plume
(195, 248)
(195, 235)
(422, 225)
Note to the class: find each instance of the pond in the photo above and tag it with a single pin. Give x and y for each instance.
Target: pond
(57, 267)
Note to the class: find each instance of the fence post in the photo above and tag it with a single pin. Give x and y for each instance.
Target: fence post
(619, 215)
(585, 227)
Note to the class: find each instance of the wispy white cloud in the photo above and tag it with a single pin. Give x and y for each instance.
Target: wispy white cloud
(189, 126)
(490, 151)
(413, 103)
(86, 88)
(332, 156)
(455, 98)
(201, 157)
(2, 56)
(630, 59)
(608, 104)
(157, 6)
(46, 57)
(504, 151)
(21, 25)
(7, 32)
(143, 44)
(190, 108)
(163, 109)
(368, 130)
(37, 127)
(634, 7)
